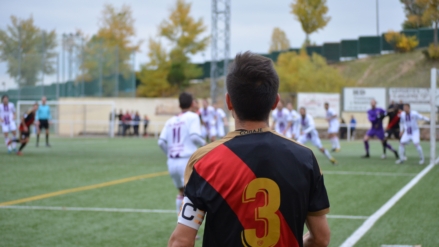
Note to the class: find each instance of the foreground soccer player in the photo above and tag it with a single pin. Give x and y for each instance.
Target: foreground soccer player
(7, 119)
(255, 187)
(309, 133)
(376, 116)
(334, 126)
(26, 121)
(410, 132)
(179, 139)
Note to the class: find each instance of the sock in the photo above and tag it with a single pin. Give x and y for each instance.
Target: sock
(337, 142)
(38, 138)
(384, 147)
(47, 138)
(401, 151)
(6, 143)
(390, 147)
(178, 203)
(22, 146)
(366, 146)
(421, 154)
(327, 154)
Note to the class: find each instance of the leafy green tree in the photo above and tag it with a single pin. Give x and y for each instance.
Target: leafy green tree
(312, 15)
(183, 33)
(28, 51)
(414, 10)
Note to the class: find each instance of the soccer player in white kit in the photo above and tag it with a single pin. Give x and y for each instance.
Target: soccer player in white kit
(221, 121)
(282, 120)
(410, 132)
(208, 117)
(179, 139)
(334, 126)
(7, 120)
(308, 133)
(294, 131)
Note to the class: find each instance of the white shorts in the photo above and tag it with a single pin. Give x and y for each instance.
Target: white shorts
(313, 138)
(210, 134)
(414, 137)
(176, 168)
(334, 128)
(6, 128)
(220, 131)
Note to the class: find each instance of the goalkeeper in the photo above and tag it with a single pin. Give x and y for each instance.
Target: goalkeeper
(376, 116)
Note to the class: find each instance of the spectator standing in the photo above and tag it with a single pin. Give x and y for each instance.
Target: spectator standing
(352, 125)
(126, 119)
(145, 125)
(120, 118)
(136, 123)
(343, 129)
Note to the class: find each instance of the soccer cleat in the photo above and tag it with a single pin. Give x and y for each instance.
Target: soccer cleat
(400, 161)
(365, 156)
(404, 158)
(383, 156)
(333, 161)
(421, 162)
(48, 145)
(335, 150)
(396, 155)
(19, 153)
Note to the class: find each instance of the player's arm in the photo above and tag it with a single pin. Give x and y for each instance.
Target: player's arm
(311, 126)
(401, 125)
(195, 133)
(319, 233)
(183, 236)
(422, 117)
(163, 143)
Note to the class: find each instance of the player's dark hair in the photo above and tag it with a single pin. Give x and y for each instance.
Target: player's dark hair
(4, 96)
(407, 104)
(185, 100)
(326, 103)
(252, 83)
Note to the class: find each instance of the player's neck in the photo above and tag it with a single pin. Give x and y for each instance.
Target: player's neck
(250, 125)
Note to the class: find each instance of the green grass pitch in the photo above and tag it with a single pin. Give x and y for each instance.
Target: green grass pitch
(356, 187)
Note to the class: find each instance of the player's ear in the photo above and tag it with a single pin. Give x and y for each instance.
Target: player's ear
(276, 102)
(229, 102)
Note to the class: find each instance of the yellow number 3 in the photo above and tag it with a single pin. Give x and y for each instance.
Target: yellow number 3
(265, 213)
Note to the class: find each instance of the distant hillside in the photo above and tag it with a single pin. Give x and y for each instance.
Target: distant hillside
(390, 70)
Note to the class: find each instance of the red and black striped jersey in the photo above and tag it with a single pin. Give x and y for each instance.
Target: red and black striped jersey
(257, 188)
(28, 121)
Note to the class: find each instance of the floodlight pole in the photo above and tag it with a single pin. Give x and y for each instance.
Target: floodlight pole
(220, 45)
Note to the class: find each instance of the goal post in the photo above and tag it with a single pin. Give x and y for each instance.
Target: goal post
(433, 109)
(77, 117)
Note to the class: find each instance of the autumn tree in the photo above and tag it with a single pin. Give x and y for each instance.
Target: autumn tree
(154, 74)
(414, 10)
(28, 51)
(312, 15)
(431, 14)
(108, 52)
(184, 33)
(279, 40)
(299, 72)
(400, 42)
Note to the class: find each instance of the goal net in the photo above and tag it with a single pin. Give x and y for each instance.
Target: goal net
(77, 118)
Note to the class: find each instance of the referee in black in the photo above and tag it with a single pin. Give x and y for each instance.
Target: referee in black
(43, 118)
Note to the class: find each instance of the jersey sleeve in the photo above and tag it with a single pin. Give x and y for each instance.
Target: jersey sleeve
(163, 133)
(318, 198)
(12, 108)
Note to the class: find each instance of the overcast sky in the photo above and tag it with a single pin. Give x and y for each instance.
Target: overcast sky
(251, 22)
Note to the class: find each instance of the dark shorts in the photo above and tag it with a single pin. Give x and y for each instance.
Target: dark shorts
(44, 124)
(24, 134)
(379, 133)
(392, 132)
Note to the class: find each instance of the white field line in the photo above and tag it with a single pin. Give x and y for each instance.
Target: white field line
(132, 210)
(390, 174)
(367, 225)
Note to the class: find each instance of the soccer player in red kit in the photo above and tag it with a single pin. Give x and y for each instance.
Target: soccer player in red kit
(26, 121)
(255, 187)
